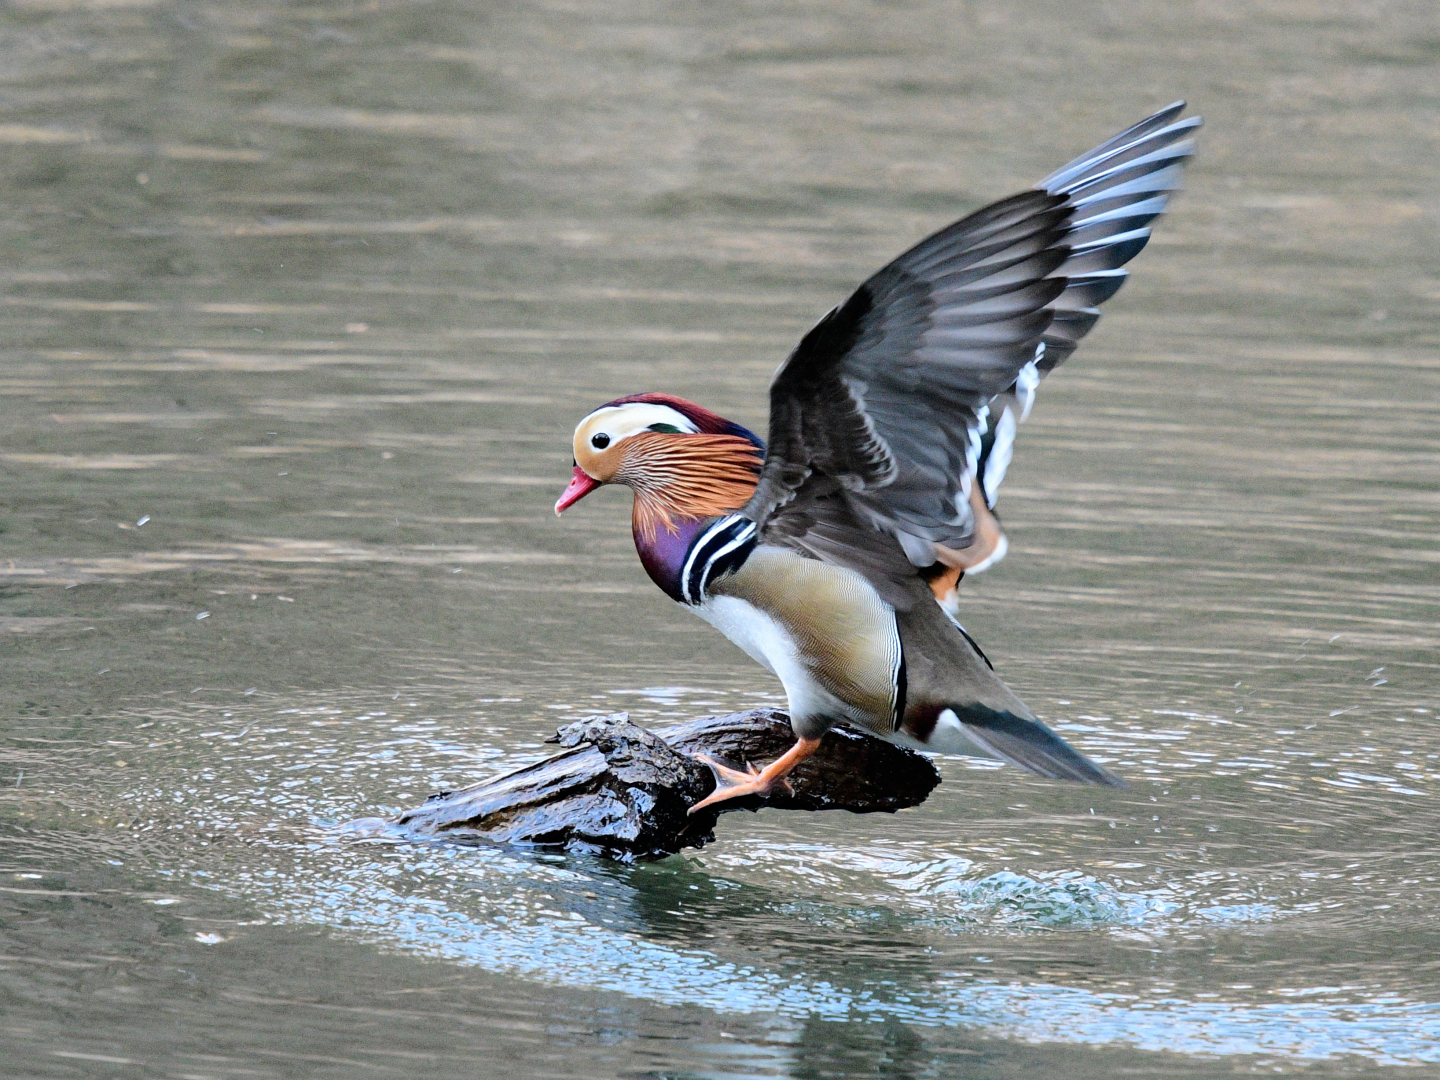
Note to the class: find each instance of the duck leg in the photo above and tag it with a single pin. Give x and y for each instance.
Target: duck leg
(732, 783)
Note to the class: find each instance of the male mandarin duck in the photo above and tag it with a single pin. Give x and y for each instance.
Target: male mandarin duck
(833, 556)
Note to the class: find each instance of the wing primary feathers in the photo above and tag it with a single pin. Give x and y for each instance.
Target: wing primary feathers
(1147, 209)
(1156, 161)
(1110, 149)
(1117, 191)
(881, 405)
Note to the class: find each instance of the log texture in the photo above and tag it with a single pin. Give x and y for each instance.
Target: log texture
(623, 791)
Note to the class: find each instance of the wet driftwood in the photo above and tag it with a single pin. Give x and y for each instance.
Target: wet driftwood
(623, 791)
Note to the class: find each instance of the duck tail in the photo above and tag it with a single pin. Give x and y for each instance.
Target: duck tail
(1021, 741)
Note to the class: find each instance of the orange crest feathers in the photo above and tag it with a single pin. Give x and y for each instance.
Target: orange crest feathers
(687, 476)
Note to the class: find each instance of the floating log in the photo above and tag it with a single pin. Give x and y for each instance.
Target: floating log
(623, 791)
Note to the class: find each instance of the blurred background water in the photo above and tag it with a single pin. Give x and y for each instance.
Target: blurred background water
(300, 304)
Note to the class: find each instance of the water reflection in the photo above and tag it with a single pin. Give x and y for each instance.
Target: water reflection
(566, 945)
(916, 932)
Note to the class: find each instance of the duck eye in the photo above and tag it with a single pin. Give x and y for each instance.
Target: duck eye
(600, 442)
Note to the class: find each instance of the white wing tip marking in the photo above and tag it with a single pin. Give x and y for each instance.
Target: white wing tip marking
(1027, 381)
(1000, 454)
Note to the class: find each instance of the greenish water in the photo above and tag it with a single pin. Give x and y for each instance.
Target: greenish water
(317, 292)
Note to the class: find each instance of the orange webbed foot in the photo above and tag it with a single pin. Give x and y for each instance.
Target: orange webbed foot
(732, 783)
(727, 774)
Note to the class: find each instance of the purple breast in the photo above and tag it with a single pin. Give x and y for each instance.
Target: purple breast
(664, 556)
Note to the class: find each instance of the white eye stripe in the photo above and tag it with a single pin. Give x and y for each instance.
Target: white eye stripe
(622, 421)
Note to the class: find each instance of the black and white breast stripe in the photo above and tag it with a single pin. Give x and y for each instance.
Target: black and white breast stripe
(719, 550)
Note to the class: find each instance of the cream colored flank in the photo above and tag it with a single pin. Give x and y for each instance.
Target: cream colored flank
(823, 631)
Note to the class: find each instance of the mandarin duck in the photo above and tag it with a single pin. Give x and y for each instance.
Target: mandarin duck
(833, 554)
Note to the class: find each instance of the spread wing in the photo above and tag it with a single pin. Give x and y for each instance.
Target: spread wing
(877, 417)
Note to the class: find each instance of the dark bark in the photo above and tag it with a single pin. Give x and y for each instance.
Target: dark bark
(625, 792)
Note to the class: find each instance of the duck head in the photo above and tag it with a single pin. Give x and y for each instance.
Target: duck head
(681, 461)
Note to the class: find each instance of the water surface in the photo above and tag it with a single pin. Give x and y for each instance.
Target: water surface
(300, 305)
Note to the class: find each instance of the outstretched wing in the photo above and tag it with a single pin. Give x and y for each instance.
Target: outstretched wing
(1115, 224)
(882, 406)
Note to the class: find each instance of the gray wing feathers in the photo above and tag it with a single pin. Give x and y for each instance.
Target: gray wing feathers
(883, 394)
(1117, 190)
(886, 399)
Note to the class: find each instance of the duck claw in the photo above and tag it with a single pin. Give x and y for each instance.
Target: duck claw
(724, 772)
(732, 783)
(725, 792)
